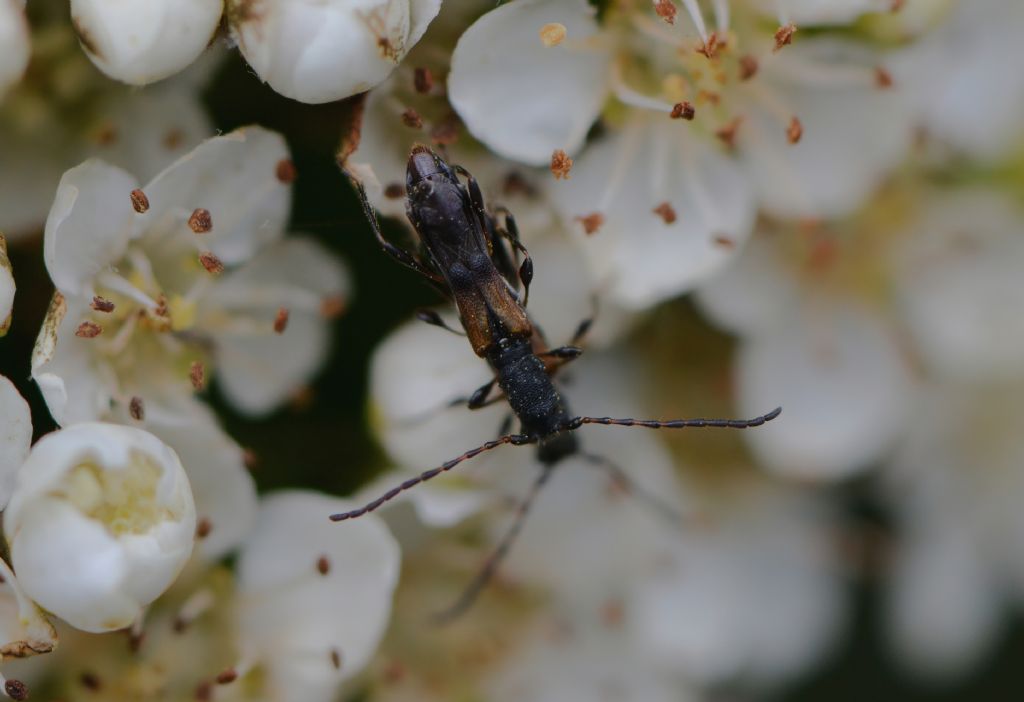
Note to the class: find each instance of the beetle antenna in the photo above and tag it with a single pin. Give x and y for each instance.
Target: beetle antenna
(677, 423)
(472, 591)
(514, 439)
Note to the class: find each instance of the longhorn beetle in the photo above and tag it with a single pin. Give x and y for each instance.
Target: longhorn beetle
(463, 255)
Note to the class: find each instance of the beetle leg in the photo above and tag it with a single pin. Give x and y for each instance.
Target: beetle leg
(399, 254)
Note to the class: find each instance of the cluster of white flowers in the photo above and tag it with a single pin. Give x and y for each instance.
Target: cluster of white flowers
(828, 180)
(159, 290)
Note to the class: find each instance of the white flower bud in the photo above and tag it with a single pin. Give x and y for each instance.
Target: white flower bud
(322, 50)
(14, 43)
(100, 523)
(142, 41)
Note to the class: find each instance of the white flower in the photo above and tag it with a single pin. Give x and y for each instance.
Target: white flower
(824, 352)
(664, 191)
(100, 523)
(144, 317)
(142, 42)
(838, 372)
(754, 595)
(957, 277)
(157, 254)
(14, 43)
(958, 563)
(965, 98)
(640, 251)
(315, 597)
(323, 50)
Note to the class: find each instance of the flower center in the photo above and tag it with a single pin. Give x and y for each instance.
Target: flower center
(135, 317)
(716, 73)
(124, 500)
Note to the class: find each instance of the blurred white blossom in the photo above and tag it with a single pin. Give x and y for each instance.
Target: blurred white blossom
(323, 50)
(143, 42)
(314, 596)
(100, 523)
(14, 44)
(815, 341)
(65, 111)
(957, 281)
(963, 96)
(584, 662)
(752, 593)
(958, 562)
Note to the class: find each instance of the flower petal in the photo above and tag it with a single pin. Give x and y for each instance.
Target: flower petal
(943, 603)
(224, 490)
(152, 128)
(258, 368)
(753, 293)
(964, 98)
(414, 374)
(309, 588)
(74, 387)
(234, 178)
(584, 667)
(865, 128)
(821, 12)
(15, 436)
(843, 386)
(89, 225)
(958, 285)
(640, 256)
(751, 598)
(24, 630)
(522, 99)
(14, 44)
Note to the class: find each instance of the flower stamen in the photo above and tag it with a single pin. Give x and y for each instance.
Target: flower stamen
(197, 375)
(140, 203)
(561, 164)
(200, 221)
(784, 36)
(88, 330)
